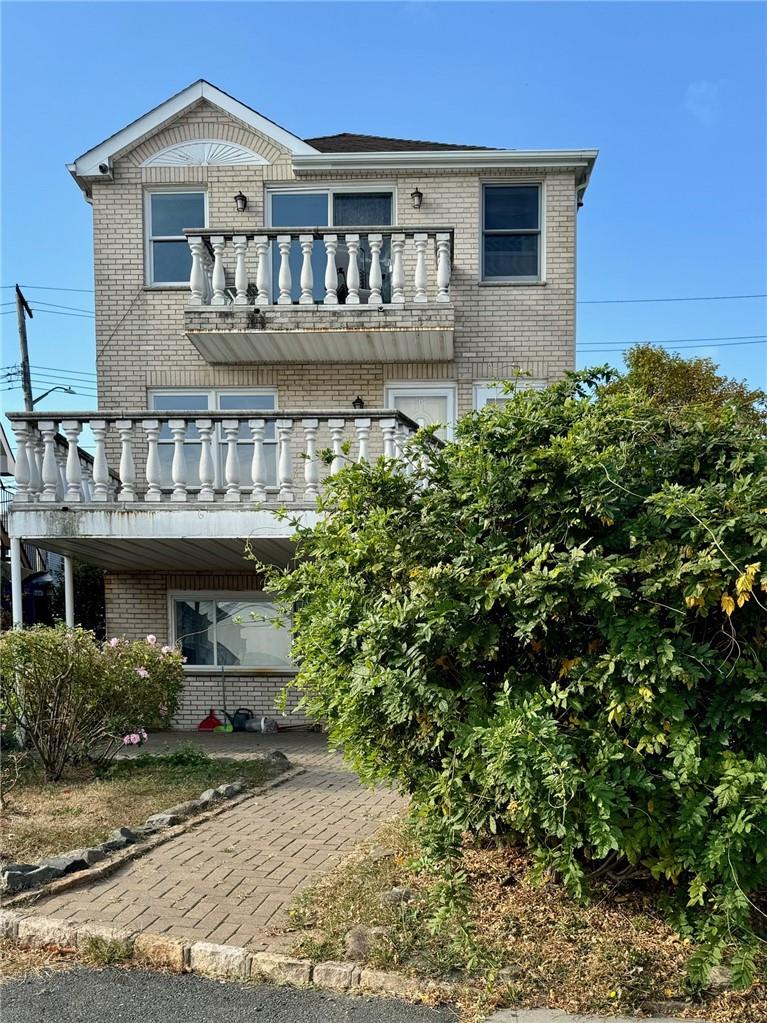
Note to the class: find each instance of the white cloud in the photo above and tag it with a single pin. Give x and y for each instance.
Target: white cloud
(703, 100)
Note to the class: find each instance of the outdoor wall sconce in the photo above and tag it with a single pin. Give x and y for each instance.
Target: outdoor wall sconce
(241, 201)
(358, 402)
(417, 198)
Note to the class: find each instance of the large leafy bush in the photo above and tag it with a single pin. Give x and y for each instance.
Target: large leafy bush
(555, 628)
(74, 698)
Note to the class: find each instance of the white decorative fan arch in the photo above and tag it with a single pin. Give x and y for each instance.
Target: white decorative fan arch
(204, 153)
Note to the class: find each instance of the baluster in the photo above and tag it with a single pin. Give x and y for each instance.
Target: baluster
(353, 270)
(331, 273)
(178, 465)
(307, 274)
(389, 430)
(206, 470)
(35, 482)
(231, 428)
(258, 463)
(398, 269)
(219, 275)
(311, 463)
(284, 279)
(74, 477)
(363, 432)
(421, 241)
(22, 465)
(50, 469)
(197, 274)
(443, 267)
(400, 440)
(61, 463)
(336, 427)
(207, 266)
(240, 244)
(153, 470)
(285, 462)
(127, 465)
(86, 486)
(100, 467)
(262, 270)
(375, 241)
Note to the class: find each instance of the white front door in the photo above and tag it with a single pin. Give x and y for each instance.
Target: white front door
(425, 405)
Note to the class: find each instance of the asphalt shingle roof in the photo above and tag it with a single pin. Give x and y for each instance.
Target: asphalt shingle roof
(351, 142)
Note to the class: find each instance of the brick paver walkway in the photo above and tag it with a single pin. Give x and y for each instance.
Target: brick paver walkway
(230, 879)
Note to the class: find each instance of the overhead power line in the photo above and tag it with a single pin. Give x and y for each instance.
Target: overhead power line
(68, 372)
(58, 305)
(44, 287)
(57, 312)
(673, 341)
(693, 298)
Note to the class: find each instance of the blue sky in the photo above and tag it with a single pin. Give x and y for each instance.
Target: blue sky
(672, 94)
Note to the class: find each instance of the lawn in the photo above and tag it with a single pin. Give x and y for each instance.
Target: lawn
(42, 818)
(524, 944)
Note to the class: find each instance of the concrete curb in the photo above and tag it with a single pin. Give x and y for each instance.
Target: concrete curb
(134, 852)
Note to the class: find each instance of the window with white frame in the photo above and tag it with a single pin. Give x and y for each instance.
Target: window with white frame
(247, 404)
(230, 631)
(511, 232)
(425, 404)
(169, 260)
(496, 394)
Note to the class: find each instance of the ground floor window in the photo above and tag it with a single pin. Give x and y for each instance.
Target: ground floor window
(216, 630)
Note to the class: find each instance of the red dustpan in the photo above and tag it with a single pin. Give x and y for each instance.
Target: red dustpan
(209, 723)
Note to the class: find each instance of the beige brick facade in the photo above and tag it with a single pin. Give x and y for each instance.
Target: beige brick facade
(141, 342)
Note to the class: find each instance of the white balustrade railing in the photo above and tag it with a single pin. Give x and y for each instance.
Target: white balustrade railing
(178, 457)
(369, 266)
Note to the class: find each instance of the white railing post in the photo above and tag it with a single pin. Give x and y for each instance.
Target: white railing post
(307, 274)
(197, 274)
(74, 477)
(336, 427)
(285, 459)
(375, 279)
(262, 269)
(153, 471)
(50, 470)
(363, 433)
(22, 465)
(207, 264)
(100, 467)
(421, 241)
(219, 274)
(311, 464)
(35, 481)
(443, 268)
(127, 465)
(231, 428)
(240, 245)
(178, 466)
(86, 486)
(284, 278)
(258, 463)
(61, 462)
(331, 273)
(389, 431)
(398, 269)
(206, 470)
(353, 270)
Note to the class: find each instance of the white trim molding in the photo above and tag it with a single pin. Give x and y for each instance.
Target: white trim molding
(204, 153)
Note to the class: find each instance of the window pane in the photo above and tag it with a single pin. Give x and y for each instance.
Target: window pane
(247, 637)
(184, 403)
(299, 209)
(194, 630)
(171, 263)
(362, 209)
(250, 403)
(511, 255)
(173, 211)
(511, 207)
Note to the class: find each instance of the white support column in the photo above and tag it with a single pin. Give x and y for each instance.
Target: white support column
(363, 433)
(375, 241)
(353, 270)
(398, 269)
(16, 601)
(50, 470)
(178, 466)
(219, 276)
(336, 427)
(101, 479)
(153, 470)
(206, 470)
(22, 465)
(258, 465)
(331, 273)
(285, 459)
(284, 278)
(307, 274)
(389, 431)
(35, 481)
(231, 428)
(262, 270)
(240, 243)
(197, 275)
(443, 267)
(311, 463)
(69, 593)
(127, 464)
(421, 241)
(74, 476)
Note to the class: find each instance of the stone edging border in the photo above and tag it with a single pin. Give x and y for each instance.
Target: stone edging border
(220, 962)
(144, 846)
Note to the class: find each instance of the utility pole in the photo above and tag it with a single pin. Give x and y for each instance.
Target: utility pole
(22, 311)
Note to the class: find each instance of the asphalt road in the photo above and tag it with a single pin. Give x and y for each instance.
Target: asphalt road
(137, 996)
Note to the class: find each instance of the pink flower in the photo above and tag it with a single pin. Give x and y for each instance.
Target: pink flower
(151, 639)
(142, 672)
(167, 650)
(114, 641)
(126, 740)
(134, 739)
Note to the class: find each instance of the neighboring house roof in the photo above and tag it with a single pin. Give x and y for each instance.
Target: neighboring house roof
(352, 142)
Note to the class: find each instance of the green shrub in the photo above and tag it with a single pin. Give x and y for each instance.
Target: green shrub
(556, 630)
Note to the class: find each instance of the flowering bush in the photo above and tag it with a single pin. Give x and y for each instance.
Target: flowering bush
(77, 699)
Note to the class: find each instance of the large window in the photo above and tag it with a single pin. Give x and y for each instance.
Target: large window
(242, 403)
(167, 215)
(215, 631)
(511, 232)
(494, 394)
(332, 208)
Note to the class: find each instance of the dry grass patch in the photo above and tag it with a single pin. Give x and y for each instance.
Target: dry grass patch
(42, 818)
(524, 945)
(17, 962)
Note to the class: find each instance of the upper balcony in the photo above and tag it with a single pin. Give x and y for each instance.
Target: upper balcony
(377, 294)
